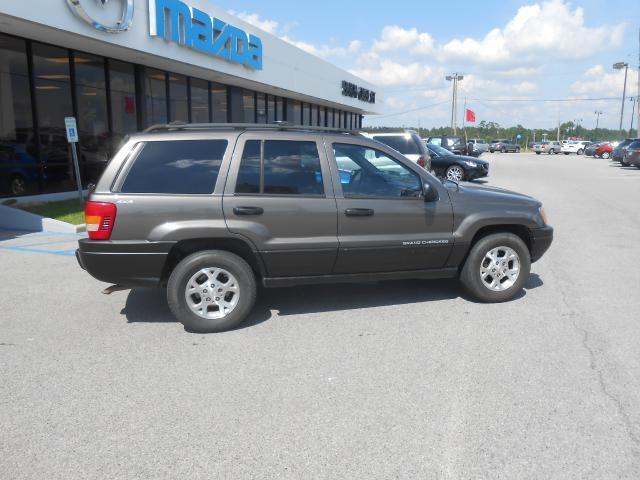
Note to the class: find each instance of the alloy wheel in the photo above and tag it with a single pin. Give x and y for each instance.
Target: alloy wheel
(500, 268)
(455, 173)
(212, 293)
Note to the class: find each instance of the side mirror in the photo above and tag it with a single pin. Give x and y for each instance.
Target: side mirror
(429, 193)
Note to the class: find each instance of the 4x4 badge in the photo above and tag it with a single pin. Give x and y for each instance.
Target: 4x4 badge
(123, 25)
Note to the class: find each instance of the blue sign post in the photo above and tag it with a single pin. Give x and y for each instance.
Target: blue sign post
(72, 137)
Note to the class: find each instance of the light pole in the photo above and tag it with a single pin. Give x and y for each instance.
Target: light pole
(455, 78)
(633, 111)
(620, 66)
(598, 113)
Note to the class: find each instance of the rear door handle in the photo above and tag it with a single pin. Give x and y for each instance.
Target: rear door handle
(358, 212)
(248, 210)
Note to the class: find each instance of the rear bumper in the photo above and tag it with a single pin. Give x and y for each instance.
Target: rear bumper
(131, 264)
(541, 239)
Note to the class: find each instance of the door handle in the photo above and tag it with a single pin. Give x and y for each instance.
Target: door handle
(248, 210)
(358, 212)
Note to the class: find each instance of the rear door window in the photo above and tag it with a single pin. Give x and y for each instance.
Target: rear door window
(280, 167)
(176, 167)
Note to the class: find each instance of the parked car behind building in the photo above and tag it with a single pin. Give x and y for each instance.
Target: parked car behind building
(618, 152)
(550, 147)
(576, 147)
(456, 167)
(454, 144)
(632, 154)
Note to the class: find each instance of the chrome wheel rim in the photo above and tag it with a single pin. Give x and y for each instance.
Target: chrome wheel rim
(455, 174)
(212, 293)
(500, 269)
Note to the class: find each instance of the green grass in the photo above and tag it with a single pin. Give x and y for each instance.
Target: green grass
(70, 211)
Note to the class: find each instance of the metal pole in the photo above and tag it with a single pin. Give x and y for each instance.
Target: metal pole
(638, 91)
(624, 94)
(632, 110)
(76, 167)
(455, 104)
(453, 99)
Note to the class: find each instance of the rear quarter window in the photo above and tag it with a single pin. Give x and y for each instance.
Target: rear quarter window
(176, 167)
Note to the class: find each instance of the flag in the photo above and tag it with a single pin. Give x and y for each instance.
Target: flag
(470, 116)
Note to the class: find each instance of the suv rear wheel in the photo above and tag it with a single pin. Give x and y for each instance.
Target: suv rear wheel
(497, 268)
(503, 150)
(211, 291)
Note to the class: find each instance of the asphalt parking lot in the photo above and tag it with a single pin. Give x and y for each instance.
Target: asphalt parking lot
(384, 380)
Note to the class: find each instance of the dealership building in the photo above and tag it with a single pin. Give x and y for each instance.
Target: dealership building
(120, 66)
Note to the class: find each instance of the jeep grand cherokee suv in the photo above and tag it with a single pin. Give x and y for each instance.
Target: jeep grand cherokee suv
(207, 211)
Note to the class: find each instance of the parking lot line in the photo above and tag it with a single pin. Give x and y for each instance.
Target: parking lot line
(65, 253)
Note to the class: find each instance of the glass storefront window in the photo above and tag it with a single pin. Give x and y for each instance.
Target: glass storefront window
(279, 109)
(248, 106)
(294, 112)
(261, 108)
(178, 98)
(271, 109)
(199, 101)
(306, 114)
(122, 85)
(322, 118)
(155, 97)
(93, 122)
(19, 164)
(219, 106)
(53, 98)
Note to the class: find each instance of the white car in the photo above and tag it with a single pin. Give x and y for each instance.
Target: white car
(574, 147)
(408, 143)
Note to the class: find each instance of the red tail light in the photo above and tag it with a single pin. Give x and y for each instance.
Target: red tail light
(422, 162)
(100, 218)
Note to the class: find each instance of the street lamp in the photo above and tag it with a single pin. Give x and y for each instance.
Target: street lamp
(598, 113)
(633, 99)
(620, 66)
(455, 78)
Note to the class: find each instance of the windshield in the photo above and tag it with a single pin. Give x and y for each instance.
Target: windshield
(403, 143)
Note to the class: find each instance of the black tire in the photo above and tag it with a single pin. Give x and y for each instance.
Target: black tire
(491, 151)
(517, 149)
(503, 150)
(537, 153)
(605, 155)
(580, 152)
(552, 152)
(470, 274)
(183, 272)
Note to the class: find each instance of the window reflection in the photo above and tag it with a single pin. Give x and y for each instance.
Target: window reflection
(122, 82)
(199, 101)
(178, 99)
(93, 124)
(155, 97)
(261, 108)
(219, 103)
(53, 97)
(19, 165)
(248, 106)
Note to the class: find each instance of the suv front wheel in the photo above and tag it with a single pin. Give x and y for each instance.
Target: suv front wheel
(211, 291)
(497, 268)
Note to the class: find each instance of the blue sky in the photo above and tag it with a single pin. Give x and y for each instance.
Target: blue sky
(508, 50)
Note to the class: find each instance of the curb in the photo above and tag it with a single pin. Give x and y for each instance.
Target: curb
(16, 219)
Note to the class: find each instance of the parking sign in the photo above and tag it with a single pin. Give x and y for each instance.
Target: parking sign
(72, 129)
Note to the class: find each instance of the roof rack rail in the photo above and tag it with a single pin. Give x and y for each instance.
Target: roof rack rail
(183, 126)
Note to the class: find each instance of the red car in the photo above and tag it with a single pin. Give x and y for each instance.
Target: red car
(603, 151)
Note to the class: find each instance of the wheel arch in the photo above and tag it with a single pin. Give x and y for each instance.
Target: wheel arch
(237, 246)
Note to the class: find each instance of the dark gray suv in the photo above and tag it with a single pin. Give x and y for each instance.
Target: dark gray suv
(207, 211)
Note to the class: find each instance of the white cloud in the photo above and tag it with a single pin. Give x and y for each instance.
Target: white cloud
(325, 51)
(270, 26)
(525, 87)
(394, 38)
(548, 29)
(391, 73)
(599, 81)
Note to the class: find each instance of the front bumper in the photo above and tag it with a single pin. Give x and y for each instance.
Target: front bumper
(131, 264)
(480, 171)
(541, 239)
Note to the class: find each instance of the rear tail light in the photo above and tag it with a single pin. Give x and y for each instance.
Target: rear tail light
(422, 162)
(100, 218)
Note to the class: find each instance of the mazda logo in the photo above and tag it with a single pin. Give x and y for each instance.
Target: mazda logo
(122, 26)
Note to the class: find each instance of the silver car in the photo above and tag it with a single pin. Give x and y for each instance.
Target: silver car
(477, 146)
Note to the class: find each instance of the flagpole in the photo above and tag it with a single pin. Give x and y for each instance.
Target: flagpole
(464, 120)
